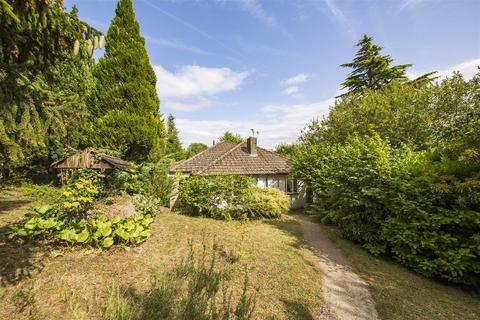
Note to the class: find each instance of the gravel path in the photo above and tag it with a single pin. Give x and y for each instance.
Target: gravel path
(347, 296)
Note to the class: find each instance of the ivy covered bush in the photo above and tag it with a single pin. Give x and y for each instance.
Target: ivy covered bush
(422, 208)
(229, 197)
(73, 222)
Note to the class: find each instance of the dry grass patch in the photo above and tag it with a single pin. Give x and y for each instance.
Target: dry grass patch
(74, 284)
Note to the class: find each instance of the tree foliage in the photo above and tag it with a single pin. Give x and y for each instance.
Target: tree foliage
(371, 70)
(173, 144)
(420, 208)
(230, 136)
(397, 170)
(287, 149)
(42, 83)
(195, 148)
(125, 105)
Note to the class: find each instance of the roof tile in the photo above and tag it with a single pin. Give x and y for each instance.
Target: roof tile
(229, 158)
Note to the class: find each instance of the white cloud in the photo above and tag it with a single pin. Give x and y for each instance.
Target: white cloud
(188, 88)
(299, 78)
(282, 123)
(468, 69)
(291, 90)
(191, 81)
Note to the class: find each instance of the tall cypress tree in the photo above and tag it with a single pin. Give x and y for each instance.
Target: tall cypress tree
(125, 104)
(174, 146)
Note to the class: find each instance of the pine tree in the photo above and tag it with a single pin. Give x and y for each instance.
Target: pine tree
(125, 104)
(173, 147)
(371, 70)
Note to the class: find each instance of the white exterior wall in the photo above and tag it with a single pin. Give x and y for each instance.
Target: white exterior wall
(297, 199)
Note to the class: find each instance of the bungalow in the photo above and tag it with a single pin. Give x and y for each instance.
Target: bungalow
(246, 158)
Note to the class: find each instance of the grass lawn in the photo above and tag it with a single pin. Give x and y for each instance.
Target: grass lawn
(73, 284)
(402, 294)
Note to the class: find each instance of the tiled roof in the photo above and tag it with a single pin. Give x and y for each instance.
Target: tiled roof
(229, 158)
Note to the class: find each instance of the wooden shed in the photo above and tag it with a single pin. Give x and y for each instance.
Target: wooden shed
(91, 159)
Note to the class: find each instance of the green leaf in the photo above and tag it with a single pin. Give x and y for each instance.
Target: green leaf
(82, 236)
(116, 219)
(122, 234)
(43, 209)
(107, 242)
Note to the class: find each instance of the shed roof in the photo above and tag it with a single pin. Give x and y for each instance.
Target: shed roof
(230, 158)
(91, 159)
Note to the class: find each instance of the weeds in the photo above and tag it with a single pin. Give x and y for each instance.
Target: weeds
(196, 288)
(24, 301)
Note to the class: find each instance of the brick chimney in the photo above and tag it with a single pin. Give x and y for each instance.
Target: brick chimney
(252, 146)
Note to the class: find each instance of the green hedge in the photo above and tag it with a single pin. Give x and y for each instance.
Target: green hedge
(229, 197)
(420, 207)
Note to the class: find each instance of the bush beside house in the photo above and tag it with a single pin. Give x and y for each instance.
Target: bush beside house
(229, 197)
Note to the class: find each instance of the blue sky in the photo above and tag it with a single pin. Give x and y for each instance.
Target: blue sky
(273, 65)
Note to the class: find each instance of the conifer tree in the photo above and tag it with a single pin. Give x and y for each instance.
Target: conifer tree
(125, 104)
(371, 70)
(173, 147)
(42, 82)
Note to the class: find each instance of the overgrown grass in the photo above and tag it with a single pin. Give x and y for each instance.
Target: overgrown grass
(405, 295)
(43, 193)
(196, 288)
(69, 284)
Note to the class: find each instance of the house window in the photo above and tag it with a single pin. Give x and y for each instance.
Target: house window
(274, 182)
(262, 181)
(292, 185)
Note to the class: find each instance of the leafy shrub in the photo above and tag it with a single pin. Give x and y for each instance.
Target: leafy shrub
(265, 202)
(150, 179)
(72, 222)
(433, 225)
(218, 197)
(190, 291)
(52, 224)
(349, 184)
(229, 197)
(93, 176)
(146, 204)
(79, 196)
(422, 208)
